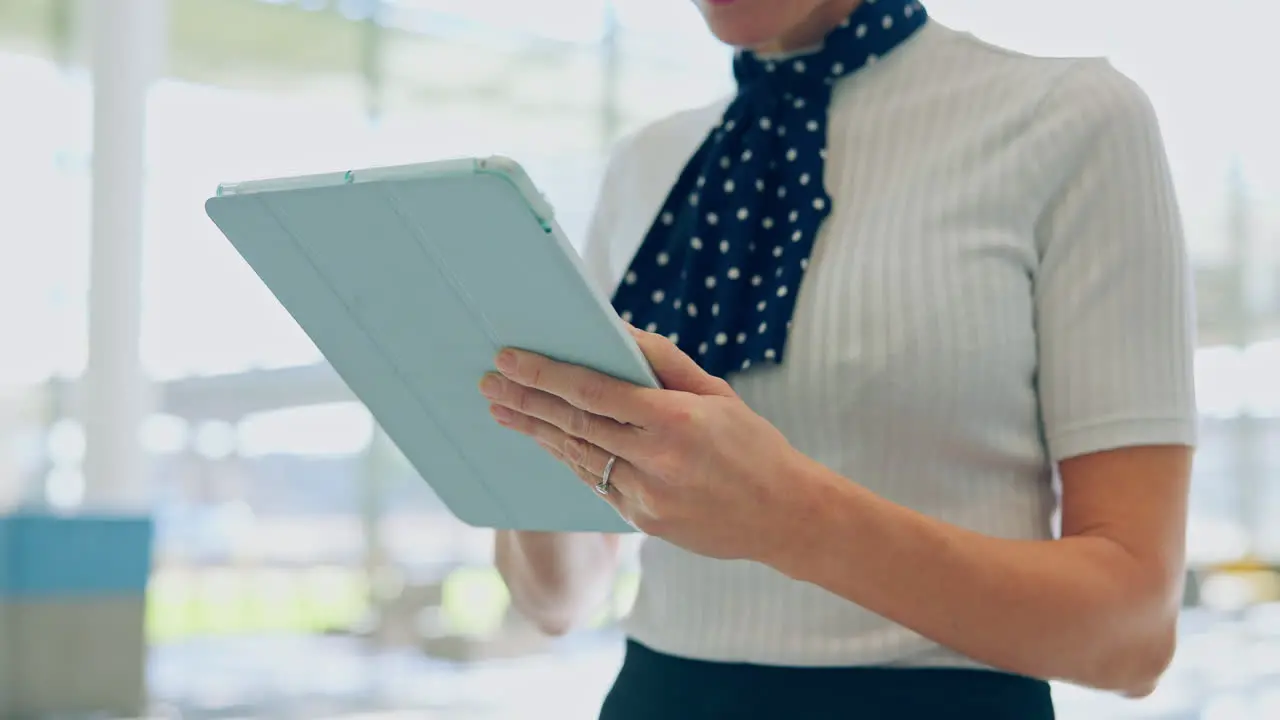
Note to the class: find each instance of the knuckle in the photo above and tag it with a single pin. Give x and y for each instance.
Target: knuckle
(580, 423)
(533, 370)
(521, 399)
(591, 391)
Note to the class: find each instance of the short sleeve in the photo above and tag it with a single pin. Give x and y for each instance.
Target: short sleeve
(1114, 300)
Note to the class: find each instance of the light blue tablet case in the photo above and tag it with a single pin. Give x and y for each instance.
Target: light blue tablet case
(409, 280)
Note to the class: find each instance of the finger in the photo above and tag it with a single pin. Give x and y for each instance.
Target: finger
(576, 453)
(595, 460)
(615, 497)
(543, 432)
(577, 422)
(588, 390)
(558, 444)
(675, 369)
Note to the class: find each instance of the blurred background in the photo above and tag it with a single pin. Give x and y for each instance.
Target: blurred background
(154, 394)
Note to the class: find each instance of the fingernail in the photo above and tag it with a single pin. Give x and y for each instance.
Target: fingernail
(490, 387)
(506, 361)
(503, 415)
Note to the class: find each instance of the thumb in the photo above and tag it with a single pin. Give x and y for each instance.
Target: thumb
(676, 370)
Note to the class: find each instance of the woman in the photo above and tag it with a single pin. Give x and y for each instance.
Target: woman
(920, 309)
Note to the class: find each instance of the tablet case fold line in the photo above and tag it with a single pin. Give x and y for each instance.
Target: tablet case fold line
(427, 246)
(426, 408)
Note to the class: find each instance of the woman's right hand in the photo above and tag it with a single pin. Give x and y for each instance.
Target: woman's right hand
(556, 580)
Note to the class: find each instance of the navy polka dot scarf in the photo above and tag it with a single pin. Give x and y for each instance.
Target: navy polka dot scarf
(719, 270)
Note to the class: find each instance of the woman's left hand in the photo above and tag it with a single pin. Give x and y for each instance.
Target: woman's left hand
(695, 466)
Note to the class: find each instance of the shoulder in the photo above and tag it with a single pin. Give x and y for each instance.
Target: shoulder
(1074, 98)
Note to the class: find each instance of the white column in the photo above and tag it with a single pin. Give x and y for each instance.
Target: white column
(127, 40)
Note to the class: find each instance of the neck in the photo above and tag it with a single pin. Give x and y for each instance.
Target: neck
(812, 30)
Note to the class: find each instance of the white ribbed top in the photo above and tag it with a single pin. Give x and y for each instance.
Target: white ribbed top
(1002, 284)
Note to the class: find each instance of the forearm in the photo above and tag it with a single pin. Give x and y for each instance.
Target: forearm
(555, 579)
(1080, 609)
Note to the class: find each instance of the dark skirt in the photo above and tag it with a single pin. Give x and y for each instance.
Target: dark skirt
(656, 686)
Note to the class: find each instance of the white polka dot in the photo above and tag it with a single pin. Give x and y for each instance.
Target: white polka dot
(794, 215)
(729, 186)
(804, 178)
(626, 315)
(770, 67)
(725, 162)
(777, 251)
(887, 22)
(819, 203)
(663, 258)
(734, 273)
(782, 192)
(743, 213)
(677, 303)
(908, 11)
(630, 279)
(711, 281)
(799, 103)
(804, 263)
(860, 31)
(746, 363)
(765, 123)
(770, 353)
(712, 218)
(798, 65)
(746, 155)
(695, 243)
(777, 273)
(721, 338)
(742, 337)
(651, 327)
(724, 246)
(811, 126)
(667, 218)
(792, 154)
(782, 131)
(782, 291)
(702, 349)
(873, 59)
(715, 308)
(763, 327)
(761, 306)
(693, 199)
(837, 68)
(756, 280)
(701, 181)
(797, 236)
(691, 309)
(822, 153)
(674, 337)
(659, 296)
(766, 223)
(760, 185)
(730, 125)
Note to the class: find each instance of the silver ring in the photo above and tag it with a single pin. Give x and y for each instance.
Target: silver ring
(603, 486)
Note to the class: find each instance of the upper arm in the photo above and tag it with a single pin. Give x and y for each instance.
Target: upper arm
(1115, 321)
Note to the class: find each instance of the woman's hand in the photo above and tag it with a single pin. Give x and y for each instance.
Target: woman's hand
(695, 466)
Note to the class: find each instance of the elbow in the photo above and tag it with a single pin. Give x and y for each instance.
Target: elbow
(1133, 667)
(552, 627)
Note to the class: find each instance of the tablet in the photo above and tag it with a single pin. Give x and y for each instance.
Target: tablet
(409, 280)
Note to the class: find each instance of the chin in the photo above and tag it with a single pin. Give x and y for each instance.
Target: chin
(753, 23)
